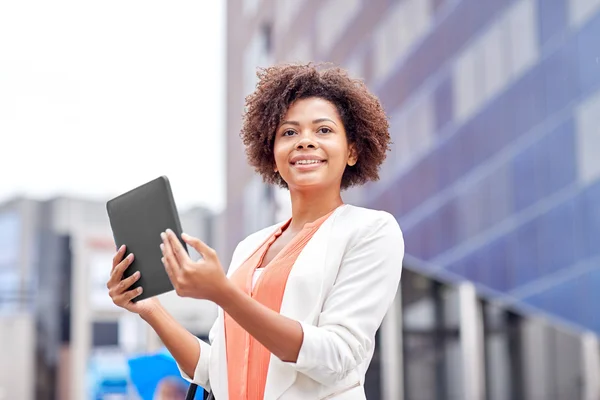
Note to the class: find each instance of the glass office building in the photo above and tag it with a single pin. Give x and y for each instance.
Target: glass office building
(494, 177)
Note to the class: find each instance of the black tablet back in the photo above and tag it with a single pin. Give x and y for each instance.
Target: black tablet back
(137, 218)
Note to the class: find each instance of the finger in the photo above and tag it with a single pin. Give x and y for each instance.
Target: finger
(123, 286)
(170, 271)
(168, 254)
(129, 295)
(126, 283)
(117, 272)
(201, 247)
(178, 250)
(118, 257)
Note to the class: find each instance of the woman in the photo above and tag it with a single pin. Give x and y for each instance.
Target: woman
(303, 299)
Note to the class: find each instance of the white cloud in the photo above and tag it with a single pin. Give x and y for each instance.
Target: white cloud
(98, 97)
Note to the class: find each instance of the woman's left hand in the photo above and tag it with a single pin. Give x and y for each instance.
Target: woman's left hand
(202, 279)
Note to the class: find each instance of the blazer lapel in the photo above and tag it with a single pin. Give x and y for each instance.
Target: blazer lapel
(218, 366)
(302, 294)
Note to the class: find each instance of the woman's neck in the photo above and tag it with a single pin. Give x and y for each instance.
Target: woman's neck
(310, 206)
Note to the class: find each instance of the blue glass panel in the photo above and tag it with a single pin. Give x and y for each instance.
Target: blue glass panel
(552, 17)
(523, 177)
(499, 262)
(526, 254)
(500, 187)
(448, 225)
(457, 267)
(412, 242)
(443, 104)
(564, 300)
(561, 80)
(472, 268)
(555, 160)
(591, 298)
(539, 300)
(587, 54)
(591, 219)
(528, 95)
(558, 238)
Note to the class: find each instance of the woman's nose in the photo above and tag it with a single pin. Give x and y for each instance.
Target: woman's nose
(305, 142)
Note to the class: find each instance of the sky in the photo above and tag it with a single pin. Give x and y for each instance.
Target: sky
(98, 97)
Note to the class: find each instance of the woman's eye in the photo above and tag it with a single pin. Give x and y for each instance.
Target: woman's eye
(325, 130)
(289, 132)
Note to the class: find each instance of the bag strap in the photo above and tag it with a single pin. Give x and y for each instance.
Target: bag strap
(191, 393)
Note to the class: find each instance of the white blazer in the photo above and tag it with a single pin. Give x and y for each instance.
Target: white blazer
(339, 289)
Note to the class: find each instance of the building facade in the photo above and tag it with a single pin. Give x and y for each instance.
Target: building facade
(494, 176)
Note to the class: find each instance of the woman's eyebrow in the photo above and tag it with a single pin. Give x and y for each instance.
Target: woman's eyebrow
(316, 121)
(290, 123)
(319, 120)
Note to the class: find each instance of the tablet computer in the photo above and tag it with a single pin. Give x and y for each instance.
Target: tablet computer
(137, 218)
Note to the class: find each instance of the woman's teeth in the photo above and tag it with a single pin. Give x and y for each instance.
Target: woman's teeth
(305, 162)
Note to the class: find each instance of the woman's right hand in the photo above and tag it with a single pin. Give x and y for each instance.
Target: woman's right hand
(118, 288)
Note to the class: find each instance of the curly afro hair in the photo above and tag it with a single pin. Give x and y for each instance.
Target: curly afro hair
(360, 111)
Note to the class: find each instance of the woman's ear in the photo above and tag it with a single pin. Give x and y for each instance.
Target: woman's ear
(353, 156)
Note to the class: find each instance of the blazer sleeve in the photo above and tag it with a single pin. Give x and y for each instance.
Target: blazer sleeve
(363, 291)
(201, 377)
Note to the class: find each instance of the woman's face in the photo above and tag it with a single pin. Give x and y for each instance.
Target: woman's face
(311, 149)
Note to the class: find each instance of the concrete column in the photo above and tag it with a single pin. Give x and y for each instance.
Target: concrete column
(535, 344)
(80, 323)
(471, 343)
(392, 373)
(590, 356)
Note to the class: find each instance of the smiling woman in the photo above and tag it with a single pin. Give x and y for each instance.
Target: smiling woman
(338, 103)
(302, 299)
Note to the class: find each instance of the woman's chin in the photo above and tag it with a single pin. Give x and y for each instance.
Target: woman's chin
(308, 184)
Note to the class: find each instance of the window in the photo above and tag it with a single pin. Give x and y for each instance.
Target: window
(580, 11)
(285, 12)
(466, 91)
(250, 7)
(10, 276)
(495, 66)
(506, 50)
(355, 66)
(406, 23)
(412, 129)
(301, 52)
(257, 54)
(588, 139)
(333, 18)
(522, 27)
(105, 334)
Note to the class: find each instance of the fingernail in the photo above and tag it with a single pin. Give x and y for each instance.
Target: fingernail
(163, 235)
(140, 290)
(184, 234)
(169, 231)
(130, 256)
(162, 247)
(122, 247)
(137, 274)
(162, 260)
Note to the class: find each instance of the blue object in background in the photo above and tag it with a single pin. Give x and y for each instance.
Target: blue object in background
(146, 371)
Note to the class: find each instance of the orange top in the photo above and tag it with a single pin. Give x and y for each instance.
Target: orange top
(248, 359)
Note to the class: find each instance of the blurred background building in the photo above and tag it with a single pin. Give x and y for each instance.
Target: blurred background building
(58, 325)
(494, 177)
